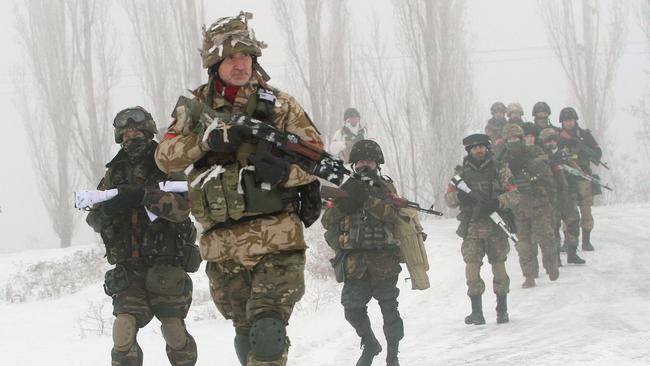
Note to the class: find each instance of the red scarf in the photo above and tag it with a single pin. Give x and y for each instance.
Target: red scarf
(227, 91)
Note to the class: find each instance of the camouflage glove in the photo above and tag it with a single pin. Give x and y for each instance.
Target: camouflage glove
(270, 168)
(217, 139)
(357, 195)
(128, 196)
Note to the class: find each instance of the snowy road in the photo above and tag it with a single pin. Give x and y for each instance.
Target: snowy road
(596, 314)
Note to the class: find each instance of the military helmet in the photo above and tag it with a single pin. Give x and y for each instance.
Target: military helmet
(515, 107)
(476, 139)
(228, 36)
(512, 130)
(568, 113)
(134, 118)
(530, 128)
(366, 150)
(351, 112)
(548, 134)
(541, 107)
(498, 107)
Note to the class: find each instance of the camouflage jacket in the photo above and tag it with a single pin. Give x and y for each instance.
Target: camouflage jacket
(246, 242)
(494, 179)
(570, 141)
(380, 262)
(134, 235)
(494, 128)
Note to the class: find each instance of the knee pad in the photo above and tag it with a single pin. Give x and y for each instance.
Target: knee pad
(124, 332)
(268, 339)
(173, 330)
(242, 344)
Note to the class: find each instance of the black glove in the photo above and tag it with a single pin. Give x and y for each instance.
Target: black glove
(357, 195)
(216, 139)
(465, 198)
(270, 169)
(489, 206)
(128, 196)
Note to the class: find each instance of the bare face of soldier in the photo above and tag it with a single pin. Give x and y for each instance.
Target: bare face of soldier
(366, 164)
(550, 145)
(529, 140)
(236, 69)
(541, 115)
(132, 134)
(515, 115)
(352, 121)
(513, 139)
(478, 152)
(499, 115)
(569, 124)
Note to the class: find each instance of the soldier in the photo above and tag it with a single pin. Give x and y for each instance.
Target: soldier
(515, 113)
(541, 112)
(249, 201)
(564, 202)
(360, 228)
(351, 132)
(491, 187)
(531, 134)
(580, 142)
(150, 239)
(534, 213)
(495, 124)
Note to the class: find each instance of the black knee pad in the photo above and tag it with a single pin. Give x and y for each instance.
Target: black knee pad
(242, 344)
(268, 339)
(393, 324)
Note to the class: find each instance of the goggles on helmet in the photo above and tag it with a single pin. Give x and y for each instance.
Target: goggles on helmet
(130, 116)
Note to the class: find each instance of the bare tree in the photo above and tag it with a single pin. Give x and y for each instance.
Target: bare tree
(65, 44)
(588, 54)
(323, 69)
(167, 36)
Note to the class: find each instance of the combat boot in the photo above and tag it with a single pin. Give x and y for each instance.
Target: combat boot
(529, 282)
(586, 241)
(572, 256)
(371, 348)
(502, 309)
(476, 317)
(553, 273)
(392, 348)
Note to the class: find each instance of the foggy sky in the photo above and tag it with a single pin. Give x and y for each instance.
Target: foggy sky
(510, 53)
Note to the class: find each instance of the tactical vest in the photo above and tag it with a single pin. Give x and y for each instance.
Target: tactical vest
(133, 236)
(483, 179)
(364, 231)
(223, 190)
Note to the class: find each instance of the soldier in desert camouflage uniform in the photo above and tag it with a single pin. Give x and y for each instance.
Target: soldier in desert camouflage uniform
(492, 190)
(534, 213)
(248, 203)
(495, 124)
(149, 237)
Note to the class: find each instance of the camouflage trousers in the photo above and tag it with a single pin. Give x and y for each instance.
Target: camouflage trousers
(535, 227)
(243, 295)
(474, 248)
(356, 294)
(144, 298)
(567, 219)
(585, 201)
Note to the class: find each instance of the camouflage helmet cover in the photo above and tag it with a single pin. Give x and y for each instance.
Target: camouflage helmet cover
(515, 107)
(568, 113)
(548, 134)
(228, 36)
(541, 107)
(476, 139)
(134, 118)
(366, 150)
(351, 112)
(530, 128)
(498, 107)
(512, 130)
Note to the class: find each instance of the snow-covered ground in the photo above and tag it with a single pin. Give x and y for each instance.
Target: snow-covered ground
(596, 314)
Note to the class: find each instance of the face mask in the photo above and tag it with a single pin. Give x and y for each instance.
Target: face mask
(136, 148)
(366, 171)
(516, 147)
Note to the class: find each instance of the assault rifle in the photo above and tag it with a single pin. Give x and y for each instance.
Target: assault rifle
(459, 183)
(309, 157)
(329, 193)
(582, 147)
(576, 172)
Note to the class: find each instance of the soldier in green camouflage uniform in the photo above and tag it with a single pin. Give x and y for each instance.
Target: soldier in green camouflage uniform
(492, 190)
(250, 203)
(534, 213)
(564, 202)
(360, 230)
(150, 239)
(495, 124)
(541, 112)
(515, 114)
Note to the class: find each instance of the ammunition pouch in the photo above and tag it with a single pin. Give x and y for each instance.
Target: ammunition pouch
(369, 233)
(596, 189)
(191, 258)
(338, 263)
(523, 182)
(166, 280)
(116, 280)
(310, 203)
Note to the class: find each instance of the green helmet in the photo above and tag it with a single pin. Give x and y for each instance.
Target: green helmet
(541, 107)
(134, 118)
(568, 113)
(366, 150)
(228, 36)
(351, 112)
(515, 107)
(512, 130)
(498, 107)
(530, 129)
(548, 134)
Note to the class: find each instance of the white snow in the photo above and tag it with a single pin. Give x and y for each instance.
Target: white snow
(596, 314)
